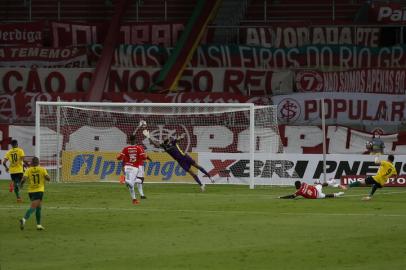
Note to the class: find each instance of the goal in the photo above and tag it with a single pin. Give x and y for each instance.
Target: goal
(79, 141)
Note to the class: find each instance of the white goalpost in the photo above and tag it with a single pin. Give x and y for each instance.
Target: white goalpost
(234, 142)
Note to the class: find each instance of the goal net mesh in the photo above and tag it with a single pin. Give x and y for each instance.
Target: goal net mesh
(80, 142)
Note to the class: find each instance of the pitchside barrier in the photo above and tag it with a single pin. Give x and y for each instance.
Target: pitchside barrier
(229, 168)
(232, 168)
(282, 169)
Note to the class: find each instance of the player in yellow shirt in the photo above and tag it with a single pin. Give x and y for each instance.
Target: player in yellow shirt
(386, 170)
(36, 176)
(16, 169)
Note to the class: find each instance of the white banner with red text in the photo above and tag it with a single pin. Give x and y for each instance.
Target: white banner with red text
(339, 140)
(208, 80)
(378, 81)
(293, 139)
(341, 108)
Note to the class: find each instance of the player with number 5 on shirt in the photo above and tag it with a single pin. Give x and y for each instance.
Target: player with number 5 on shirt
(133, 157)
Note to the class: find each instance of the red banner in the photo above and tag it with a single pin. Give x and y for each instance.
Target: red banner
(42, 57)
(399, 181)
(74, 34)
(348, 57)
(15, 34)
(388, 13)
(379, 81)
(291, 36)
(4, 136)
(224, 80)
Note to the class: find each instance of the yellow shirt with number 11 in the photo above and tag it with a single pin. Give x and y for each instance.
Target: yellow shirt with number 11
(36, 178)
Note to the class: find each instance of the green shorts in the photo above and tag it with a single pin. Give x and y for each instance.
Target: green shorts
(371, 181)
(36, 195)
(16, 177)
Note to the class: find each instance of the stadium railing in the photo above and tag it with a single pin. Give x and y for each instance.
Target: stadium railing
(267, 10)
(163, 10)
(94, 10)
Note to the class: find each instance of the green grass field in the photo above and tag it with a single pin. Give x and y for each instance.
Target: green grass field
(95, 226)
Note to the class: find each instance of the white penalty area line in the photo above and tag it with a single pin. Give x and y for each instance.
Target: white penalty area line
(344, 214)
(262, 195)
(140, 209)
(362, 195)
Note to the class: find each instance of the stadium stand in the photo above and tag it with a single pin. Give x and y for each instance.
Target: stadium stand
(94, 10)
(167, 10)
(160, 10)
(296, 10)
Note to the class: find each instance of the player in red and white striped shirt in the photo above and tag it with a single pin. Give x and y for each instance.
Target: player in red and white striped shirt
(311, 192)
(133, 157)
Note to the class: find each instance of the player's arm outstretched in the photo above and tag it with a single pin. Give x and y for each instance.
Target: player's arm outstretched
(5, 160)
(291, 196)
(153, 142)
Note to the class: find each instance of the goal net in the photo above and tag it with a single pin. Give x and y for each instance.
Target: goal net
(79, 141)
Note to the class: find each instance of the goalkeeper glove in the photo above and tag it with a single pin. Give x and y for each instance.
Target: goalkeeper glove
(146, 133)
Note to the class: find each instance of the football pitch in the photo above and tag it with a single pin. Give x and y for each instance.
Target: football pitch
(95, 226)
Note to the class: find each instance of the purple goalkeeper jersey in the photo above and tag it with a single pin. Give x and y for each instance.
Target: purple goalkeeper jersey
(173, 149)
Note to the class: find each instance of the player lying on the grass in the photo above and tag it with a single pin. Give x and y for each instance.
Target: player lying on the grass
(386, 170)
(35, 175)
(133, 157)
(170, 146)
(312, 191)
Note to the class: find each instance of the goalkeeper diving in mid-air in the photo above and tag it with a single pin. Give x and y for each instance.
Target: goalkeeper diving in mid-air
(170, 146)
